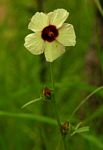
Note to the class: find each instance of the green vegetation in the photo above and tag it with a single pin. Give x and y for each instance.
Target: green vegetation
(77, 73)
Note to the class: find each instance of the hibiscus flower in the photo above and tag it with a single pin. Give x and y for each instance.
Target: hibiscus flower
(51, 34)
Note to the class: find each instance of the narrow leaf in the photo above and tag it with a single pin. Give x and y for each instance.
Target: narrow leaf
(32, 101)
(78, 125)
(82, 129)
(34, 117)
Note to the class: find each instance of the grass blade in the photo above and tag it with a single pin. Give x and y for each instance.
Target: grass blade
(38, 118)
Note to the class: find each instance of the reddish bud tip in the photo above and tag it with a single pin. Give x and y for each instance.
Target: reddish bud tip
(47, 92)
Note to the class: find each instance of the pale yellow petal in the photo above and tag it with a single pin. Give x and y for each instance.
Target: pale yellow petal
(53, 50)
(57, 17)
(67, 35)
(34, 43)
(38, 22)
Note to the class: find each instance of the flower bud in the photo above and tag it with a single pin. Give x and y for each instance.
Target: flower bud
(65, 127)
(47, 92)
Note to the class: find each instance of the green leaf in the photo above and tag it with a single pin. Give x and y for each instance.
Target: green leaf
(80, 130)
(78, 125)
(38, 118)
(94, 140)
(31, 102)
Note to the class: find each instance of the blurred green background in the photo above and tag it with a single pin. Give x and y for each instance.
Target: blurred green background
(22, 75)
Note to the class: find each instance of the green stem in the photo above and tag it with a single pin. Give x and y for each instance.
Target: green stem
(97, 2)
(55, 105)
(53, 98)
(85, 99)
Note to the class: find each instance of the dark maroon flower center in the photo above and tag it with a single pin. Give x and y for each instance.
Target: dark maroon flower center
(49, 33)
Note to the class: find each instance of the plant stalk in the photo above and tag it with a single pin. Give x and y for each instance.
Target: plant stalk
(55, 105)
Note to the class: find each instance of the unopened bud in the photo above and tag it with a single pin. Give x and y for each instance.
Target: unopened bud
(47, 92)
(65, 127)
